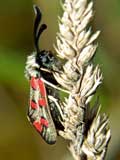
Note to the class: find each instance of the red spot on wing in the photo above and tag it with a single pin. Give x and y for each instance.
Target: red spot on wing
(44, 122)
(38, 126)
(34, 82)
(42, 102)
(42, 88)
(33, 104)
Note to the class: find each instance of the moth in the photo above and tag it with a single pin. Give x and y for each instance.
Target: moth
(38, 71)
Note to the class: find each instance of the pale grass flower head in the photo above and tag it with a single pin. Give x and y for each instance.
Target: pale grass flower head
(86, 130)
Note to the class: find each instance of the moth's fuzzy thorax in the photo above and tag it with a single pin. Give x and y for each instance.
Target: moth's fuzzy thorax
(31, 66)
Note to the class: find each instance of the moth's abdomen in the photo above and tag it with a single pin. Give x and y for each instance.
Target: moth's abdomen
(39, 113)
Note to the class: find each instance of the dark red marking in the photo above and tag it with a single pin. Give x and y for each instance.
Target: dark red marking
(34, 82)
(33, 104)
(44, 122)
(42, 102)
(42, 88)
(38, 126)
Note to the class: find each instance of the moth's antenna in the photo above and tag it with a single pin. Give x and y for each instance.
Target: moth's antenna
(38, 30)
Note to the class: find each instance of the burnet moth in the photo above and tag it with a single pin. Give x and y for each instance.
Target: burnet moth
(39, 67)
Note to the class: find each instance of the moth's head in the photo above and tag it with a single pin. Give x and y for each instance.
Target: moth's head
(45, 59)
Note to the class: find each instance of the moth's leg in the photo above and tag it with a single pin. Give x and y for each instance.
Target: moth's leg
(57, 103)
(55, 87)
(56, 111)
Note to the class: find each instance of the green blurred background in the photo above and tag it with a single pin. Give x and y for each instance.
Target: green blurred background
(18, 140)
